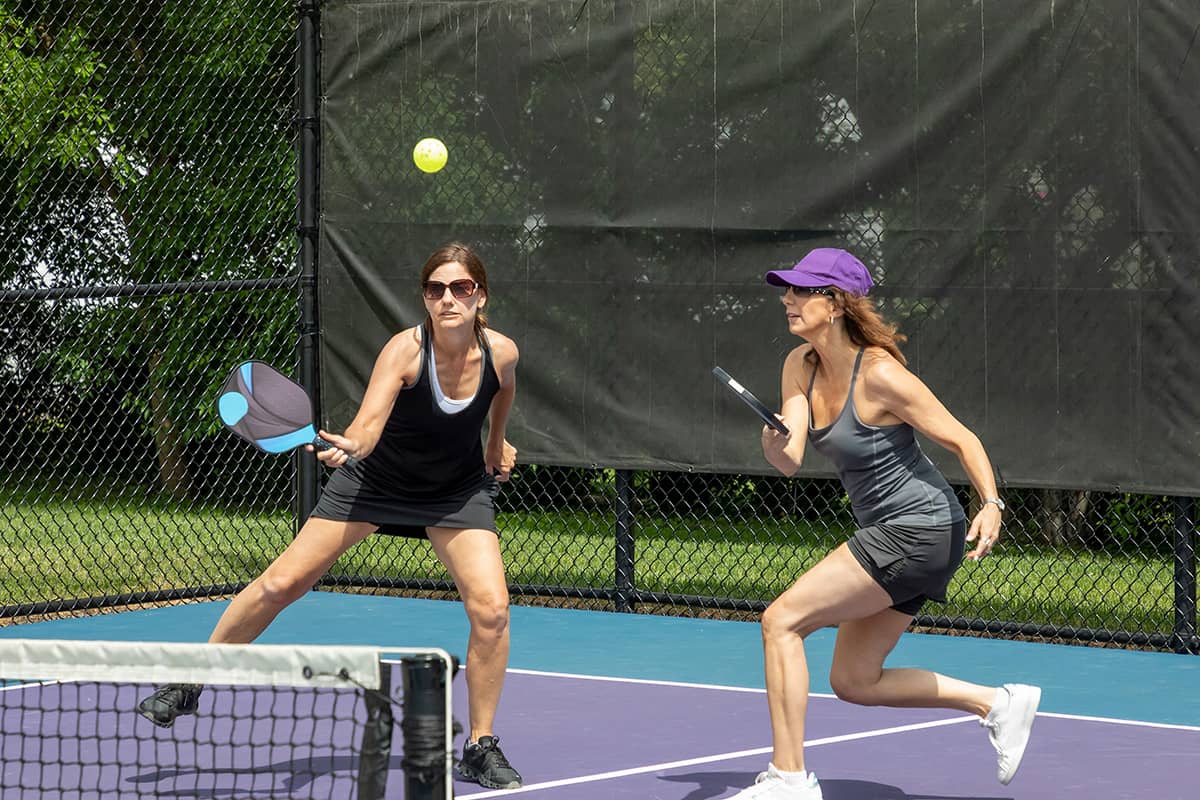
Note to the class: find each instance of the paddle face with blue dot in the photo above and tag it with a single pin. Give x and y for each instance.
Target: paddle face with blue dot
(267, 409)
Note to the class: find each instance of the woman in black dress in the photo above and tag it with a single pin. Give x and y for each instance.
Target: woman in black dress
(420, 468)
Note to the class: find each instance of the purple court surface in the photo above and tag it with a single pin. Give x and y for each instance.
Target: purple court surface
(582, 738)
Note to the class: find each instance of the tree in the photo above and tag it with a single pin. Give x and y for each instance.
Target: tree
(150, 143)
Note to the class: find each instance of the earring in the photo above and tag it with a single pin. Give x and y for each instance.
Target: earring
(831, 319)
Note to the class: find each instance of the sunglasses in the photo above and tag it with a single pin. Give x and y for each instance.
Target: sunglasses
(461, 289)
(799, 290)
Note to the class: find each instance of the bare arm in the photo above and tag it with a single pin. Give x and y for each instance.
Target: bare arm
(499, 456)
(394, 362)
(786, 453)
(906, 396)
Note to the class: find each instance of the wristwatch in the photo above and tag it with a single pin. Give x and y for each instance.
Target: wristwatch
(999, 503)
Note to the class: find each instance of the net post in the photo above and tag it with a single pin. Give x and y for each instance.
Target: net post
(376, 748)
(1183, 639)
(423, 723)
(624, 555)
(308, 194)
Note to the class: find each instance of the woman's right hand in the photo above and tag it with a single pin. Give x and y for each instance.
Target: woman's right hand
(774, 446)
(342, 451)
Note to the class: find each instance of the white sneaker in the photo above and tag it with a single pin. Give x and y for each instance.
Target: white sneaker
(770, 785)
(1009, 723)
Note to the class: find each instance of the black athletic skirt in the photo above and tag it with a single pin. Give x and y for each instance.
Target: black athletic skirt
(913, 563)
(347, 497)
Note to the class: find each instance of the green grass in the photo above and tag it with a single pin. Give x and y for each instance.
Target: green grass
(68, 548)
(90, 548)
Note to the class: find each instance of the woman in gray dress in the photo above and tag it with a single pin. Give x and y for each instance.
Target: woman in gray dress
(847, 391)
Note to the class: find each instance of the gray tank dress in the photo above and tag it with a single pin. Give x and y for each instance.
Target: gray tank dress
(911, 526)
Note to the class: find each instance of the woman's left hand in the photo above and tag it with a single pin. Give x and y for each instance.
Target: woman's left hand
(986, 528)
(499, 461)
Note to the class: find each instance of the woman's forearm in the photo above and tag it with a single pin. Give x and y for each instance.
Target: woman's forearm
(978, 467)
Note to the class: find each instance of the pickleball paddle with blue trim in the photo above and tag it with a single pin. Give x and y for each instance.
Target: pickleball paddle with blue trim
(268, 409)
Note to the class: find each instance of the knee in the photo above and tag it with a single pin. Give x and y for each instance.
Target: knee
(780, 622)
(278, 588)
(488, 614)
(852, 688)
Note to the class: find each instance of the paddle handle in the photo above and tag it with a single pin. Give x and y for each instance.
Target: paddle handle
(323, 444)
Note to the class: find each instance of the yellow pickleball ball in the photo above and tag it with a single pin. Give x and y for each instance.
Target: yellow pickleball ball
(430, 155)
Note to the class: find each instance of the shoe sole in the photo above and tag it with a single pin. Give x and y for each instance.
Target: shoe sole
(1027, 713)
(150, 715)
(147, 715)
(475, 777)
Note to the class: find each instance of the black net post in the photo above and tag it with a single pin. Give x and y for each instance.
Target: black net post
(308, 38)
(424, 727)
(1185, 640)
(376, 750)
(624, 577)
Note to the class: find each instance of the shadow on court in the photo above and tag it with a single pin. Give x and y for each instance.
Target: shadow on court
(710, 784)
(714, 784)
(291, 777)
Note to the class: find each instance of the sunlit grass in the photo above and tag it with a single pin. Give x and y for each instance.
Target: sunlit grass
(107, 546)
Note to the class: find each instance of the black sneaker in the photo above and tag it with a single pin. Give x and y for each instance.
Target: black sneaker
(484, 763)
(171, 701)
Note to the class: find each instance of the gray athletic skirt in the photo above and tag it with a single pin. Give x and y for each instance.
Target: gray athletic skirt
(348, 498)
(912, 563)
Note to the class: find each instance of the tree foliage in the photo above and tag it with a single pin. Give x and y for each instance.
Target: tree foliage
(150, 143)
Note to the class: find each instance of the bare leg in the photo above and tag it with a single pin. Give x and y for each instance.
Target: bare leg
(473, 559)
(294, 572)
(858, 676)
(836, 589)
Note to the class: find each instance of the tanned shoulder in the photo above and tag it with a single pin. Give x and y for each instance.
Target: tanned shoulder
(504, 350)
(798, 368)
(884, 376)
(402, 353)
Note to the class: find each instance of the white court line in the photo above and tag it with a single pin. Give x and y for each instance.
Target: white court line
(29, 685)
(719, 687)
(648, 681)
(653, 682)
(1112, 721)
(758, 751)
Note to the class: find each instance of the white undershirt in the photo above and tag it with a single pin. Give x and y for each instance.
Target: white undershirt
(447, 404)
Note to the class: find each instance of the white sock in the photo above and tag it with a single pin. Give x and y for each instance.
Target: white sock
(791, 778)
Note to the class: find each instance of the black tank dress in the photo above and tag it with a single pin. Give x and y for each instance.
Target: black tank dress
(427, 469)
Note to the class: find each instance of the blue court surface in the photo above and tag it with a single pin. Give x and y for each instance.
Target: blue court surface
(604, 705)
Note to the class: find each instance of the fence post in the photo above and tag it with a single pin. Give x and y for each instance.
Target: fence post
(1184, 637)
(308, 42)
(625, 585)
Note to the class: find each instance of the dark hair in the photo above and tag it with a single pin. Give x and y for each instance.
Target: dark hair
(865, 326)
(464, 255)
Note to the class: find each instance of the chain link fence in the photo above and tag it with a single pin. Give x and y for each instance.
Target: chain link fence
(148, 243)
(1081, 566)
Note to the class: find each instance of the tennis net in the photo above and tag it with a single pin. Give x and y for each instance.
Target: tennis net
(271, 721)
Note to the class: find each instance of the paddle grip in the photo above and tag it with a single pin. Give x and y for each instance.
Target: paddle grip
(322, 444)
